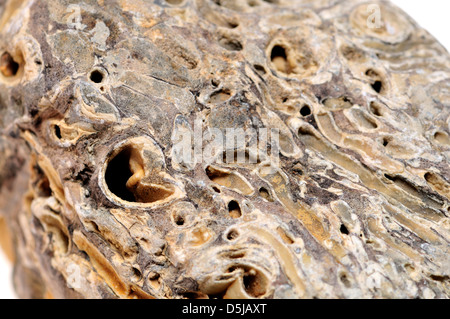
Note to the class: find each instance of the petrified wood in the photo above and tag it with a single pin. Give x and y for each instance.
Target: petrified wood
(94, 96)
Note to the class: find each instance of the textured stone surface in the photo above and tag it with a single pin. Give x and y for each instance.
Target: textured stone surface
(93, 204)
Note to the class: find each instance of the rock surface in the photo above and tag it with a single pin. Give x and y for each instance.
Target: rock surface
(354, 202)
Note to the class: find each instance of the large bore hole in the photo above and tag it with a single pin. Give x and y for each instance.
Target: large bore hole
(118, 173)
(254, 283)
(141, 188)
(279, 59)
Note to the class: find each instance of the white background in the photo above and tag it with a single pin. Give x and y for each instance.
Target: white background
(433, 15)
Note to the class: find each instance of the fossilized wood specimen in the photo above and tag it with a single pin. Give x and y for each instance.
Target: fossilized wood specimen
(93, 204)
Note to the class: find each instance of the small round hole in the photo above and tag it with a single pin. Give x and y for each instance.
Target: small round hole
(305, 110)
(232, 234)
(96, 76)
(179, 220)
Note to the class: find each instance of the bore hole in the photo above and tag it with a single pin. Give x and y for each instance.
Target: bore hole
(96, 76)
(385, 142)
(429, 177)
(377, 86)
(279, 58)
(179, 220)
(129, 163)
(230, 44)
(305, 110)
(216, 189)
(232, 269)
(58, 132)
(442, 138)
(118, 173)
(254, 283)
(43, 187)
(304, 131)
(264, 193)
(8, 66)
(137, 275)
(215, 82)
(377, 83)
(344, 229)
(260, 69)
(232, 234)
(234, 209)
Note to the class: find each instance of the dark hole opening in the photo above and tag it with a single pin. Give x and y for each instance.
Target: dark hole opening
(278, 52)
(118, 173)
(344, 229)
(8, 66)
(234, 209)
(96, 76)
(385, 142)
(232, 235)
(261, 70)
(216, 189)
(428, 177)
(179, 220)
(137, 274)
(279, 58)
(254, 284)
(377, 86)
(231, 44)
(264, 193)
(58, 132)
(305, 110)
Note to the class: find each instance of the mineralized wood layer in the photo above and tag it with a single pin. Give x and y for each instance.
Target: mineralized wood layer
(93, 204)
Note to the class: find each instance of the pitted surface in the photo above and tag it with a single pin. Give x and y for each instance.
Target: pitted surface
(93, 99)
